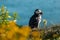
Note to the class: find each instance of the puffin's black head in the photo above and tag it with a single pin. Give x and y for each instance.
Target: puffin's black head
(37, 11)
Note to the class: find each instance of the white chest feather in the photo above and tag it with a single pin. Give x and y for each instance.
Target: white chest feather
(39, 18)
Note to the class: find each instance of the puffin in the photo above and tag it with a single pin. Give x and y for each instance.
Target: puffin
(35, 19)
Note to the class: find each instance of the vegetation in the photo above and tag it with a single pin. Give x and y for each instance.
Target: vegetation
(9, 30)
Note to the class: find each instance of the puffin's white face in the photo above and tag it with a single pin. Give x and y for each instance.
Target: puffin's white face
(38, 12)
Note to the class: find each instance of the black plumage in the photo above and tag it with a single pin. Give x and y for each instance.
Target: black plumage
(33, 22)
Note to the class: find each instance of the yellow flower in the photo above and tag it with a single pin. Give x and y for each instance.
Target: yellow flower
(3, 35)
(3, 26)
(25, 31)
(15, 29)
(11, 23)
(2, 30)
(22, 38)
(9, 34)
(37, 38)
(35, 34)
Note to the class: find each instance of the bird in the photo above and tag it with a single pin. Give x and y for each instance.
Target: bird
(35, 19)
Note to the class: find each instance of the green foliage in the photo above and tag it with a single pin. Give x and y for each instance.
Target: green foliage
(4, 15)
(14, 15)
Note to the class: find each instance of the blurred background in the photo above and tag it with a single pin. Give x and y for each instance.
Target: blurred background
(25, 9)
